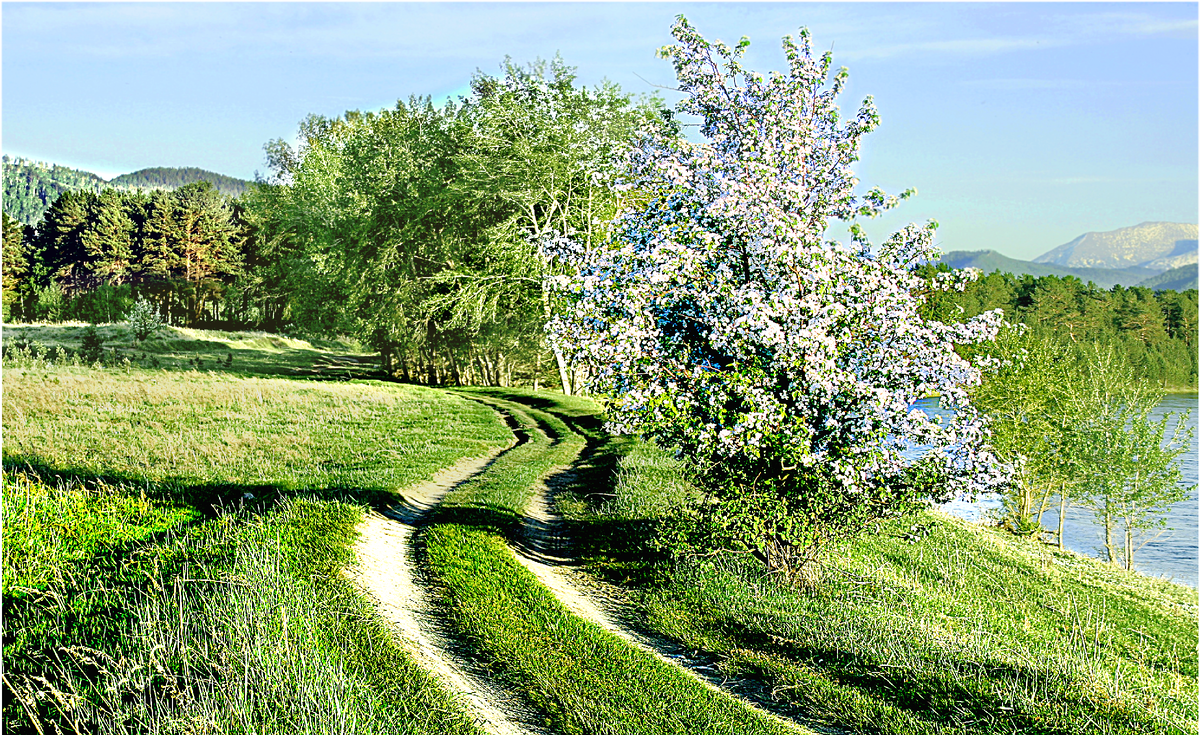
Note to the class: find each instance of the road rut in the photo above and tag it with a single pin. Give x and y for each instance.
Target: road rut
(388, 572)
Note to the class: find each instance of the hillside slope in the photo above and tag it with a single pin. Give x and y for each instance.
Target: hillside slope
(30, 188)
(1176, 279)
(173, 178)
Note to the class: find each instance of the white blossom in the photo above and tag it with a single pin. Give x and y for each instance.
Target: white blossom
(718, 320)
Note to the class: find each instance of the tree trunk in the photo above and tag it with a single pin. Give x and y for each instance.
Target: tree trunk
(1042, 506)
(385, 358)
(1062, 514)
(1113, 556)
(564, 373)
(485, 367)
(509, 365)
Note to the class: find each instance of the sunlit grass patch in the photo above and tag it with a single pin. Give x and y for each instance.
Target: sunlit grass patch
(967, 629)
(49, 527)
(246, 434)
(201, 350)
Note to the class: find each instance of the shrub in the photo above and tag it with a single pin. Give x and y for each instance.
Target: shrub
(782, 366)
(144, 319)
(91, 346)
(51, 303)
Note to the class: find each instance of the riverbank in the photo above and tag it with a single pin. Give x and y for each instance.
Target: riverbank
(1175, 554)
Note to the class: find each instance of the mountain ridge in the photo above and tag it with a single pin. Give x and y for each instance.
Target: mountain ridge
(1158, 246)
(990, 260)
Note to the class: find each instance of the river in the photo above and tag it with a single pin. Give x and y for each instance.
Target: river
(1173, 555)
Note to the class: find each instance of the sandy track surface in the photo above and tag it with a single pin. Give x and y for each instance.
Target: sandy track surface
(387, 571)
(545, 550)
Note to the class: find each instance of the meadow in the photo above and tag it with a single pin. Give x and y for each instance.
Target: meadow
(176, 540)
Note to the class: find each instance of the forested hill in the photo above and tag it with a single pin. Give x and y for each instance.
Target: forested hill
(1154, 330)
(1176, 279)
(30, 187)
(173, 178)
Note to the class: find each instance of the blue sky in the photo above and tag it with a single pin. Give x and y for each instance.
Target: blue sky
(1022, 125)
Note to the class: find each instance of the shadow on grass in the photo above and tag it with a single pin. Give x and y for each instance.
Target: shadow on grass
(967, 697)
(209, 500)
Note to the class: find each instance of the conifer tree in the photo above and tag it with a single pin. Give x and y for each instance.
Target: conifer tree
(107, 238)
(61, 239)
(16, 267)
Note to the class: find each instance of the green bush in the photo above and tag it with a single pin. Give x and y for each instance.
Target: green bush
(51, 303)
(102, 305)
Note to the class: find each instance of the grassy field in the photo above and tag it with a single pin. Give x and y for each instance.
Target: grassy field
(966, 630)
(173, 547)
(174, 538)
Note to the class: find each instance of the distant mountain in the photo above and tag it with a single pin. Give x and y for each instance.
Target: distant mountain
(1176, 279)
(989, 260)
(30, 187)
(1158, 246)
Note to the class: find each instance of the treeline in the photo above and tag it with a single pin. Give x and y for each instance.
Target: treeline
(93, 254)
(30, 187)
(420, 231)
(1154, 331)
(423, 231)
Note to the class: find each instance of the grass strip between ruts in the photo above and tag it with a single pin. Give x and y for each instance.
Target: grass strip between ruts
(584, 678)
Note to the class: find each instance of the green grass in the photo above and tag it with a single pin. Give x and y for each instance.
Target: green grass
(242, 623)
(970, 630)
(583, 678)
(201, 350)
(173, 547)
(174, 540)
(213, 438)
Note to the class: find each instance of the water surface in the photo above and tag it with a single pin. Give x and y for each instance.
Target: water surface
(1174, 555)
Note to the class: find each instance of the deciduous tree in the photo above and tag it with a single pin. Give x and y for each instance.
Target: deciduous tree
(719, 321)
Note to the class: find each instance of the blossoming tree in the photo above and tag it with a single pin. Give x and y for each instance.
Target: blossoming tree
(718, 320)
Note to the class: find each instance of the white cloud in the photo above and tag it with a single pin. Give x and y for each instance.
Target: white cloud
(1108, 24)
